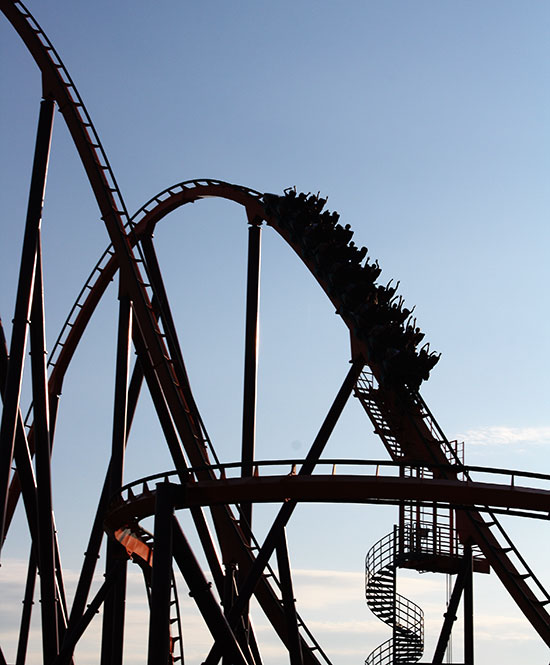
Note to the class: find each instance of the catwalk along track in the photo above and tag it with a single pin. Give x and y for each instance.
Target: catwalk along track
(388, 364)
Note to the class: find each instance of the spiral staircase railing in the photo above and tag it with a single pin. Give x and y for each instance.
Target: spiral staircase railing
(404, 617)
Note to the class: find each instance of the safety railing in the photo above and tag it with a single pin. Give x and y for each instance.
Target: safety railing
(403, 615)
(513, 479)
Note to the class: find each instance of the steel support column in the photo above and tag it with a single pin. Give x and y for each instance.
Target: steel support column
(159, 617)
(250, 382)
(46, 542)
(120, 412)
(23, 302)
(250, 367)
(468, 606)
(243, 632)
(229, 592)
(450, 616)
(113, 616)
(27, 611)
(75, 632)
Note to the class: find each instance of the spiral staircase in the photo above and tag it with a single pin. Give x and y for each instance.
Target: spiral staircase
(406, 645)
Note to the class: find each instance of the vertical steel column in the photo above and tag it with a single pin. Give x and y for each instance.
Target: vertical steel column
(250, 365)
(289, 602)
(113, 616)
(250, 378)
(46, 544)
(23, 302)
(159, 618)
(469, 607)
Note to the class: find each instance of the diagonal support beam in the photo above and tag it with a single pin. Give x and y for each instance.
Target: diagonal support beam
(77, 630)
(200, 590)
(96, 535)
(451, 614)
(8, 424)
(275, 533)
(27, 610)
(289, 602)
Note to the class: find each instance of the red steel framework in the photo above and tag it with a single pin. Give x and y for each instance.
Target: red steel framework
(447, 521)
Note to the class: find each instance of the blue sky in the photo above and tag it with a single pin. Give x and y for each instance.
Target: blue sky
(426, 124)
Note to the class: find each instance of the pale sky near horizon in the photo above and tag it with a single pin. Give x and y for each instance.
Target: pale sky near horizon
(426, 125)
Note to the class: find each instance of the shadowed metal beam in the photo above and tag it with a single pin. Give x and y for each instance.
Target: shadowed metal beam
(200, 590)
(159, 617)
(96, 535)
(450, 615)
(27, 610)
(113, 614)
(344, 489)
(246, 588)
(250, 383)
(8, 423)
(77, 630)
(250, 366)
(468, 606)
(289, 602)
(46, 543)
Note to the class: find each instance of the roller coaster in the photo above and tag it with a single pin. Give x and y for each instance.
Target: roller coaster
(448, 521)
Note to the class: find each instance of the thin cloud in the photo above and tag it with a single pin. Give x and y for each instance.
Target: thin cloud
(506, 436)
(321, 593)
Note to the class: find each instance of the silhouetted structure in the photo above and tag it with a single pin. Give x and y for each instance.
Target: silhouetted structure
(387, 367)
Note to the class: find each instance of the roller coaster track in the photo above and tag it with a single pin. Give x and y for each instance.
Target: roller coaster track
(399, 415)
(59, 85)
(136, 501)
(489, 535)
